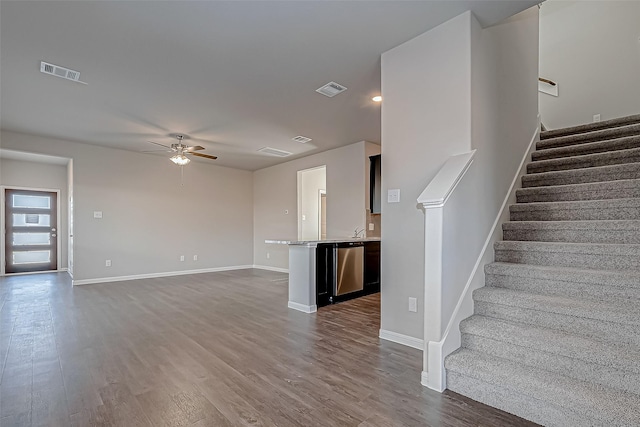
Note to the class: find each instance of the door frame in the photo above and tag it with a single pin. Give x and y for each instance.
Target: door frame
(3, 190)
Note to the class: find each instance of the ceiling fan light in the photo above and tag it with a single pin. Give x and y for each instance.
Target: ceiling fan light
(180, 159)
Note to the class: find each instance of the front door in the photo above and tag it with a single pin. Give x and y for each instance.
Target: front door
(31, 233)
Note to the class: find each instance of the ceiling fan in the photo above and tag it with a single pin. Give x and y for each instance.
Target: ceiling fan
(182, 150)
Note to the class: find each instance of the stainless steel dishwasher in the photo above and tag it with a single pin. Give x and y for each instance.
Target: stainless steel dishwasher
(349, 268)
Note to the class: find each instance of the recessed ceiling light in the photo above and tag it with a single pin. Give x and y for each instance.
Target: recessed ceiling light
(331, 89)
(301, 139)
(377, 98)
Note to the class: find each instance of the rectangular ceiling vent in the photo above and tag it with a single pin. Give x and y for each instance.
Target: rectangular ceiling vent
(56, 70)
(274, 152)
(331, 89)
(301, 139)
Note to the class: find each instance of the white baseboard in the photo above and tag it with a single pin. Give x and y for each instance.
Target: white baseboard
(156, 275)
(266, 267)
(302, 307)
(402, 339)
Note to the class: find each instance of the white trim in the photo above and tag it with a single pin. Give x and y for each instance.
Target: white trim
(266, 267)
(156, 275)
(301, 307)
(397, 338)
(424, 379)
(438, 350)
(442, 185)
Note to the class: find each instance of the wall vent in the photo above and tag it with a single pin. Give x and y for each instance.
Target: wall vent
(301, 139)
(274, 152)
(331, 89)
(56, 70)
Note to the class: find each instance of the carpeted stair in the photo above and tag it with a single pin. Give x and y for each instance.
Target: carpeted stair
(555, 337)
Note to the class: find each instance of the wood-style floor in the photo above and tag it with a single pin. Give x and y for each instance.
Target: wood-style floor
(218, 349)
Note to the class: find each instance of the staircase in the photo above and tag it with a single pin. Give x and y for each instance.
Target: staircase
(555, 337)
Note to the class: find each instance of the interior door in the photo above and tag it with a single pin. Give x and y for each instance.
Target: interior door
(31, 234)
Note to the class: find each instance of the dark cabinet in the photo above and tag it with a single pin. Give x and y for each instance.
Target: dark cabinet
(372, 265)
(327, 261)
(375, 184)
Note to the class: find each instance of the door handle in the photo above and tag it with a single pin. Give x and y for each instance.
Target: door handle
(53, 235)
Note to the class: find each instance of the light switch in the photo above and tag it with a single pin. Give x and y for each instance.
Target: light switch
(304, 217)
(97, 214)
(393, 196)
(371, 226)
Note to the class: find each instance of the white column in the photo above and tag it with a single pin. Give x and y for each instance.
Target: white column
(302, 277)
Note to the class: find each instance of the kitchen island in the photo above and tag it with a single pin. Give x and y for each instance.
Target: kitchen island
(325, 272)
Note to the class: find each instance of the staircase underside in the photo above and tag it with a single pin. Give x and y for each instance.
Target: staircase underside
(555, 337)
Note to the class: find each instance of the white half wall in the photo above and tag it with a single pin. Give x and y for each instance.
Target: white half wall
(149, 218)
(592, 50)
(18, 173)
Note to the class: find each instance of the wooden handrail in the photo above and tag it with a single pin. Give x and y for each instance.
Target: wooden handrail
(551, 82)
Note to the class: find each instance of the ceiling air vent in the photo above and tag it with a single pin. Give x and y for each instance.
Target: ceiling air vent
(274, 152)
(301, 139)
(58, 71)
(331, 89)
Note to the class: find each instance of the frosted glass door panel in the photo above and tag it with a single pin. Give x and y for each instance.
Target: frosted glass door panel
(31, 257)
(21, 239)
(33, 202)
(31, 220)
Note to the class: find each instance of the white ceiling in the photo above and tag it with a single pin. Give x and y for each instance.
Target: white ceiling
(240, 73)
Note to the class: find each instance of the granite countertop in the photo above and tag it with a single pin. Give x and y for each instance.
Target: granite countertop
(315, 242)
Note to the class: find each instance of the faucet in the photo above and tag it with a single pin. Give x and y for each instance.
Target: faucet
(356, 233)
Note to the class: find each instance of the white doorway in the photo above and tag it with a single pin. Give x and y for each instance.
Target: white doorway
(312, 186)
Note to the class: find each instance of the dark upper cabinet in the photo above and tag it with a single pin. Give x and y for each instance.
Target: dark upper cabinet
(375, 184)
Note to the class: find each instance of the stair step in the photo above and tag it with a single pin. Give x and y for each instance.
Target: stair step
(585, 210)
(582, 176)
(583, 138)
(588, 148)
(537, 395)
(564, 281)
(631, 155)
(621, 189)
(597, 256)
(590, 127)
(616, 323)
(573, 231)
(564, 354)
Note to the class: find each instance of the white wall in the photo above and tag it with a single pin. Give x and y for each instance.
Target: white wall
(149, 219)
(275, 191)
(19, 173)
(453, 89)
(309, 185)
(426, 117)
(592, 50)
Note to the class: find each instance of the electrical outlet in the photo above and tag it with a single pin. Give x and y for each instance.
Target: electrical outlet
(596, 118)
(195, 257)
(107, 263)
(268, 255)
(304, 217)
(181, 257)
(97, 214)
(372, 226)
(413, 304)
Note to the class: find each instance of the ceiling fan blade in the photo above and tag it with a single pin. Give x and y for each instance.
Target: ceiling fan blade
(206, 156)
(157, 151)
(194, 148)
(162, 145)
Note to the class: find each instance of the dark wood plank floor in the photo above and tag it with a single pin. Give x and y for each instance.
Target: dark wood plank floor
(217, 349)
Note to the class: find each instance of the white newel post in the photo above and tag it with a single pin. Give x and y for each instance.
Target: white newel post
(433, 226)
(433, 200)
